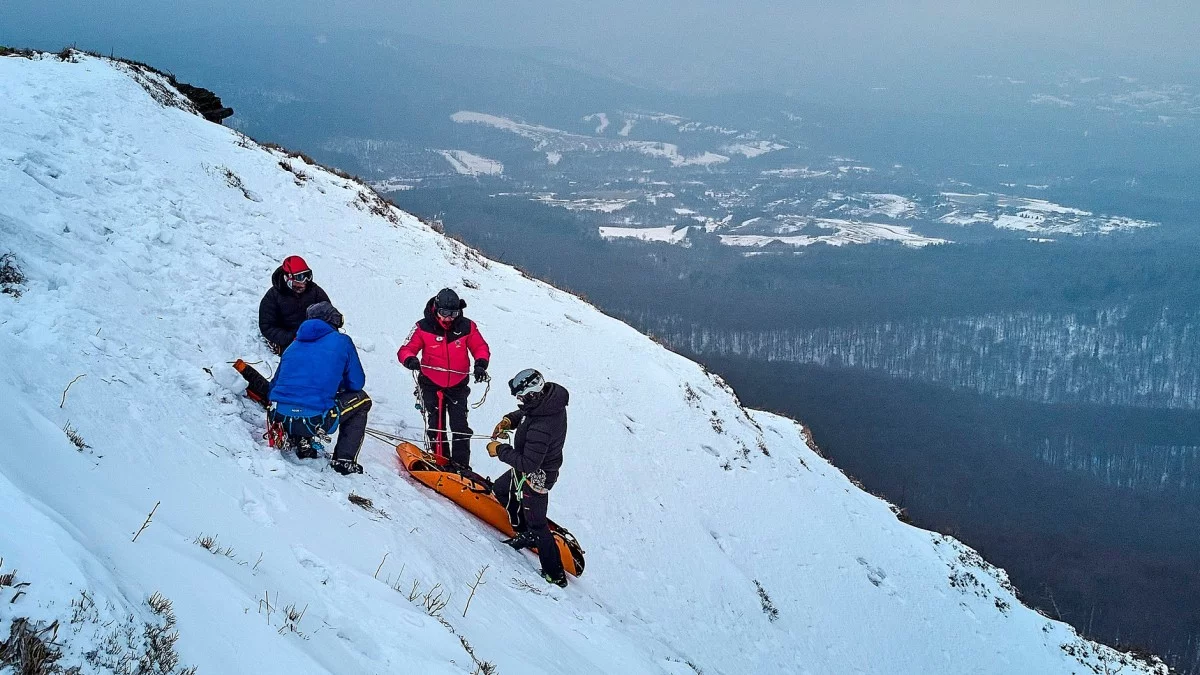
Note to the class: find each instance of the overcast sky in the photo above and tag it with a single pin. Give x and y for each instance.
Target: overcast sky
(696, 43)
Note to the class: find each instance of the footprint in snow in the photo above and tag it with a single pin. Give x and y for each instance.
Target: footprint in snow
(255, 509)
(875, 575)
(310, 562)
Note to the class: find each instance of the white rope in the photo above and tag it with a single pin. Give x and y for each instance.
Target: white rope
(486, 389)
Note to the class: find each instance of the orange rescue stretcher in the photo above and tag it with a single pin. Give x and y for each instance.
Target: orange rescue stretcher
(474, 493)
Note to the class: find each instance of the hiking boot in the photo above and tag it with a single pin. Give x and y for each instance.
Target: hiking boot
(346, 466)
(560, 580)
(305, 449)
(522, 540)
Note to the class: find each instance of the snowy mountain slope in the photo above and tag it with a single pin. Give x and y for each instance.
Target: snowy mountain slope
(717, 541)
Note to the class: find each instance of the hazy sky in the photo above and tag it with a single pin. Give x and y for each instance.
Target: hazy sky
(700, 43)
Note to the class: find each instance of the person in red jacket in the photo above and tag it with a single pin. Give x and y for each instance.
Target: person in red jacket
(443, 339)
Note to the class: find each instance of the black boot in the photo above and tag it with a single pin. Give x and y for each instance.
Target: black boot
(560, 580)
(522, 540)
(304, 448)
(346, 466)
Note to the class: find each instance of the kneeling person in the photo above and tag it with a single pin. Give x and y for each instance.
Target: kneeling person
(282, 309)
(318, 389)
(535, 457)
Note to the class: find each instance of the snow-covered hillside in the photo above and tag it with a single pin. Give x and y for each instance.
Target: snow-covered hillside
(717, 541)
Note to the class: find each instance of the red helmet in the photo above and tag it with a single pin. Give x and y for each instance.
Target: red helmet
(294, 264)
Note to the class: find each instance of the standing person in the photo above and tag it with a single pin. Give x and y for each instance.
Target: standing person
(443, 338)
(535, 457)
(319, 388)
(282, 309)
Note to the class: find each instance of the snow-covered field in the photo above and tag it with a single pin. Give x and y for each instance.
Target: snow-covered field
(395, 184)
(841, 233)
(601, 121)
(668, 233)
(469, 164)
(1027, 214)
(717, 540)
(892, 206)
(796, 172)
(585, 203)
(753, 149)
(549, 139)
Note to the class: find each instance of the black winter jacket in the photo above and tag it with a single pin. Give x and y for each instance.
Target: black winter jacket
(541, 431)
(282, 311)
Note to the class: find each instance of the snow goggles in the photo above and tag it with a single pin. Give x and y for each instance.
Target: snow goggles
(301, 277)
(448, 313)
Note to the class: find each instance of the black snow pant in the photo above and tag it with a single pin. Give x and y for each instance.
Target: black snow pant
(348, 417)
(352, 408)
(440, 404)
(258, 388)
(527, 513)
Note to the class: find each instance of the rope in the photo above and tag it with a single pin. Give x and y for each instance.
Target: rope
(487, 383)
(487, 436)
(487, 386)
(424, 442)
(391, 438)
(444, 370)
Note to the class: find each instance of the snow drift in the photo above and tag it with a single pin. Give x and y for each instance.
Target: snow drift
(718, 541)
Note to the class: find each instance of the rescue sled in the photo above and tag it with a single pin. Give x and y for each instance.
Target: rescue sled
(474, 493)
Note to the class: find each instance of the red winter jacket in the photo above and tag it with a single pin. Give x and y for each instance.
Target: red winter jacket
(445, 349)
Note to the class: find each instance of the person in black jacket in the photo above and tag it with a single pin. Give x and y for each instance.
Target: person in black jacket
(535, 457)
(283, 308)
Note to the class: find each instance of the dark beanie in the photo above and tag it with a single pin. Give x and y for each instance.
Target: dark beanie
(448, 299)
(325, 312)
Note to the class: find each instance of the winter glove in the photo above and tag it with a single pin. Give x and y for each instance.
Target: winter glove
(502, 428)
(412, 363)
(481, 375)
(493, 448)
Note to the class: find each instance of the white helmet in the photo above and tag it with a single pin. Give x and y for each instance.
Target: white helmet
(526, 382)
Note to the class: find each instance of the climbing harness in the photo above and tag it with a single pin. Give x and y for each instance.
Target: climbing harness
(440, 450)
(487, 383)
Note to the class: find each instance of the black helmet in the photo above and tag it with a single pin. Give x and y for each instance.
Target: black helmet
(526, 383)
(447, 299)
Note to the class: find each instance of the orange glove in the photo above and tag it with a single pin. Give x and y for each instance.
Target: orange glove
(493, 448)
(502, 427)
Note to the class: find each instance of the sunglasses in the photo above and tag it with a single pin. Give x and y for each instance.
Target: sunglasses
(448, 313)
(301, 277)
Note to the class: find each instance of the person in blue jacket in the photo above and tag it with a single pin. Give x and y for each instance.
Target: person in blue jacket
(318, 389)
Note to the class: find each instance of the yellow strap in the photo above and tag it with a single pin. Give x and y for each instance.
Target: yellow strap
(338, 413)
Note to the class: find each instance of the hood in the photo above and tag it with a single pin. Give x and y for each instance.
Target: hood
(279, 283)
(552, 402)
(313, 330)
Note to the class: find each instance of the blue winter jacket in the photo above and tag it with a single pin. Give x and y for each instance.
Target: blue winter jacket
(314, 368)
